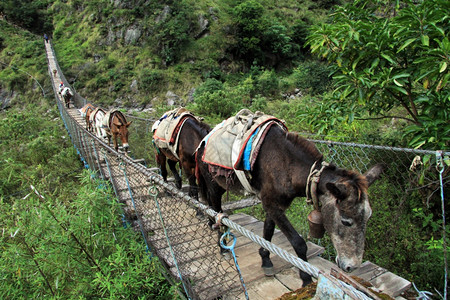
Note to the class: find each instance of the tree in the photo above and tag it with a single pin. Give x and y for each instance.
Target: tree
(173, 32)
(250, 25)
(31, 15)
(385, 55)
(261, 40)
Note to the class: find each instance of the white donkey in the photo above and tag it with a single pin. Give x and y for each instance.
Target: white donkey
(96, 119)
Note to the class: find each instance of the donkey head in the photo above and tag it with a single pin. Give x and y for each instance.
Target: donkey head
(346, 210)
(120, 128)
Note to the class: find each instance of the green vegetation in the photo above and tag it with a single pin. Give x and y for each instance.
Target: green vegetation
(378, 74)
(71, 243)
(30, 15)
(387, 57)
(68, 242)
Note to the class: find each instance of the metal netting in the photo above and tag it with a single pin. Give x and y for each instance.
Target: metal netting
(408, 173)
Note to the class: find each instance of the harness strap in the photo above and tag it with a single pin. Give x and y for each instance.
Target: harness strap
(312, 183)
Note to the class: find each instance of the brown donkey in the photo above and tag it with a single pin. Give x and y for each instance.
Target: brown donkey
(289, 166)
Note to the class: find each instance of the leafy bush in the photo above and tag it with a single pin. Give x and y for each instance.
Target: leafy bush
(312, 77)
(215, 98)
(262, 39)
(214, 103)
(118, 85)
(31, 15)
(173, 33)
(250, 25)
(406, 248)
(277, 41)
(266, 83)
(152, 80)
(70, 243)
(391, 56)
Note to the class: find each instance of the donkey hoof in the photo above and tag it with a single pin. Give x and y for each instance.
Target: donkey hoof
(269, 271)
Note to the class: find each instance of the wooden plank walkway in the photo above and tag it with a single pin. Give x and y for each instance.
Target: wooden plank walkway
(190, 233)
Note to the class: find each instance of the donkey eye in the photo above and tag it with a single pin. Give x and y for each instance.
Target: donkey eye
(347, 222)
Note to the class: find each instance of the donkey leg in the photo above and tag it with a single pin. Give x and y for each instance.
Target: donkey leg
(215, 192)
(193, 188)
(116, 146)
(161, 161)
(173, 167)
(267, 265)
(297, 242)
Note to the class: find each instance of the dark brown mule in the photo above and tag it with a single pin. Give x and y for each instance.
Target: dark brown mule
(189, 136)
(66, 93)
(279, 174)
(85, 112)
(116, 126)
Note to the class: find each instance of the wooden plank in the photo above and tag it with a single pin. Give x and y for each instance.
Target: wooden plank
(250, 262)
(368, 271)
(268, 288)
(187, 252)
(391, 284)
(322, 264)
(247, 202)
(256, 226)
(181, 234)
(242, 219)
(290, 278)
(349, 280)
(382, 279)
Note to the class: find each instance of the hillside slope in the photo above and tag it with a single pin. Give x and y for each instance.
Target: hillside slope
(131, 53)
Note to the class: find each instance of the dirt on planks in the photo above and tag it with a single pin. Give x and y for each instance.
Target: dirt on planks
(308, 292)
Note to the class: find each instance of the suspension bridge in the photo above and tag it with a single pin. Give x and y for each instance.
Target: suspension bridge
(177, 234)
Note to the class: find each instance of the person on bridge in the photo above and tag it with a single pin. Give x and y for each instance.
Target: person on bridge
(46, 37)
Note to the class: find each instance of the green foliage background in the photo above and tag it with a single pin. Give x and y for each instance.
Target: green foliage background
(253, 55)
(70, 243)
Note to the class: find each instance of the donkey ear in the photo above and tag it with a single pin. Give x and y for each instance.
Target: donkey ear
(338, 190)
(129, 123)
(374, 173)
(117, 123)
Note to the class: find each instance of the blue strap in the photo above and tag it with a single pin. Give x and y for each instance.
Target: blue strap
(248, 150)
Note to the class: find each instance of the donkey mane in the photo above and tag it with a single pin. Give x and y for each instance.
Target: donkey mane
(305, 144)
(203, 126)
(120, 115)
(359, 180)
